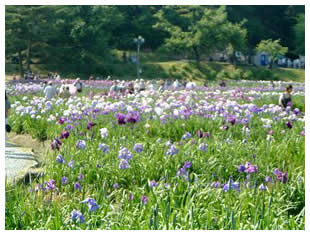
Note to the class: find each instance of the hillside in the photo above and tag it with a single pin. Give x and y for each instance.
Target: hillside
(180, 70)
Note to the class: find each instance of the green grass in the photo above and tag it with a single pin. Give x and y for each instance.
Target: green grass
(180, 70)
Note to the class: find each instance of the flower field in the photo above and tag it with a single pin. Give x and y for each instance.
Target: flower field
(199, 158)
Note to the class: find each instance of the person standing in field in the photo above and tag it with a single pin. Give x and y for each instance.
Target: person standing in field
(176, 85)
(114, 88)
(286, 98)
(78, 84)
(130, 89)
(161, 84)
(222, 84)
(49, 91)
(7, 107)
(57, 77)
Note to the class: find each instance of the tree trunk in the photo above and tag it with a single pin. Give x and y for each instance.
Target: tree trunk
(197, 55)
(270, 64)
(29, 55)
(21, 68)
(233, 58)
(250, 54)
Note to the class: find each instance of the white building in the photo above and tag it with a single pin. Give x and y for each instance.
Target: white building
(260, 59)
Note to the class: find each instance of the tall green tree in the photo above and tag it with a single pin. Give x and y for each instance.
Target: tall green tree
(199, 30)
(138, 20)
(91, 34)
(267, 22)
(300, 34)
(273, 48)
(82, 37)
(26, 28)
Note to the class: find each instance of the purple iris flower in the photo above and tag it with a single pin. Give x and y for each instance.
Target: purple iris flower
(115, 186)
(56, 143)
(64, 180)
(168, 143)
(203, 147)
(80, 177)
(280, 175)
(236, 186)
(130, 196)
(60, 159)
(120, 118)
(144, 199)
(51, 184)
(167, 185)
(231, 185)
(276, 171)
(80, 144)
(250, 168)
(61, 121)
(268, 179)
(71, 164)
(64, 135)
(187, 135)
(289, 124)
(124, 153)
(69, 128)
(225, 188)
(262, 187)
(216, 184)
(132, 117)
(138, 148)
(77, 186)
(153, 184)
(90, 125)
(77, 216)
(104, 148)
(92, 205)
(202, 134)
(172, 151)
(302, 133)
(296, 111)
(241, 168)
(182, 172)
(231, 119)
(187, 165)
(124, 164)
(163, 119)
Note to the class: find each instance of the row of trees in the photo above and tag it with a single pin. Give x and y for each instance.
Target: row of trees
(78, 37)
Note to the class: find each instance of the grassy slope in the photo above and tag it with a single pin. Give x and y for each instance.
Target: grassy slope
(185, 70)
(208, 70)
